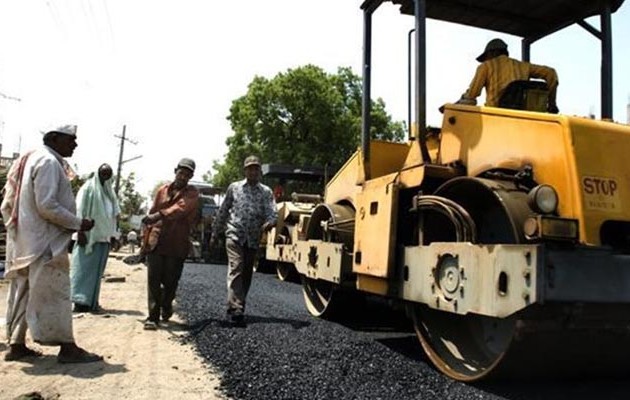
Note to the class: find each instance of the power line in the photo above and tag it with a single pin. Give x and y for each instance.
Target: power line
(94, 21)
(109, 23)
(6, 96)
(88, 20)
(55, 16)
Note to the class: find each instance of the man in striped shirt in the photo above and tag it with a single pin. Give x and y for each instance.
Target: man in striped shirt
(497, 71)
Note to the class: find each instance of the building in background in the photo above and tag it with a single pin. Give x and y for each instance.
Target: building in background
(5, 162)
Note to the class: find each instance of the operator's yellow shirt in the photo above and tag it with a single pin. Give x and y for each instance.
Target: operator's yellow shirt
(498, 72)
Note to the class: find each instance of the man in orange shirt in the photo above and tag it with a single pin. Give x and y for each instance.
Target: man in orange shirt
(497, 71)
(170, 220)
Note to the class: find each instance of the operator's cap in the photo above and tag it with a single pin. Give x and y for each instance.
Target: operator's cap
(65, 129)
(251, 160)
(494, 44)
(186, 163)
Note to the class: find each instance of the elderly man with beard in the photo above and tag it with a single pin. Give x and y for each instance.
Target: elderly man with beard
(40, 214)
(167, 240)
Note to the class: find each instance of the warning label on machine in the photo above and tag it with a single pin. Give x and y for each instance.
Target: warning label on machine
(601, 194)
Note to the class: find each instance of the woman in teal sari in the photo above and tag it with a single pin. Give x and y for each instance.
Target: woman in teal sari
(96, 200)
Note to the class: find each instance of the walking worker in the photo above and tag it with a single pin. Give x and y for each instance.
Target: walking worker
(247, 210)
(169, 223)
(40, 214)
(497, 70)
(96, 201)
(132, 240)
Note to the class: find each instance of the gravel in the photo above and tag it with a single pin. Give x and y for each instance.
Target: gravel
(284, 353)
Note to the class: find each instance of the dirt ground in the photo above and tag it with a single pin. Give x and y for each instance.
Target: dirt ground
(137, 364)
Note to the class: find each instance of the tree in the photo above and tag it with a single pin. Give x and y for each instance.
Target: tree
(207, 176)
(304, 116)
(130, 203)
(78, 181)
(130, 200)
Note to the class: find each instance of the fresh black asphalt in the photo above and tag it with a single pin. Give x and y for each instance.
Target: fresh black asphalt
(285, 353)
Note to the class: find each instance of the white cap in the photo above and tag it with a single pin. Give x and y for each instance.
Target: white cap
(66, 129)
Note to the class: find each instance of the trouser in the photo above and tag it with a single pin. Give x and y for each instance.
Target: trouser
(239, 275)
(163, 277)
(39, 299)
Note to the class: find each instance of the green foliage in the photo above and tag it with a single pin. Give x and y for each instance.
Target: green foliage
(207, 177)
(77, 182)
(124, 227)
(304, 116)
(130, 200)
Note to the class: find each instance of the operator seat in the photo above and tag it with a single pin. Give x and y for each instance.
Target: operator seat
(525, 95)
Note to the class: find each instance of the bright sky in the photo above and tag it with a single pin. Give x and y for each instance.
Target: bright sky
(169, 69)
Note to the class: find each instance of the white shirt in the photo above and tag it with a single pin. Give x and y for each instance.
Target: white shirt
(47, 210)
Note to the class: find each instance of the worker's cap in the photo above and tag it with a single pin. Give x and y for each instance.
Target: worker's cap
(186, 163)
(251, 160)
(494, 44)
(70, 130)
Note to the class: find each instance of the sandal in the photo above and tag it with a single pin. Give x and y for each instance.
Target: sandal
(150, 325)
(78, 357)
(17, 352)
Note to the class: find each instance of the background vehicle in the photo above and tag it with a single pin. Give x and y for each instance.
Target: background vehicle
(305, 185)
(210, 198)
(505, 233)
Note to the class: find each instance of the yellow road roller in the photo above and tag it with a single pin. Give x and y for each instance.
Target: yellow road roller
(505, 232)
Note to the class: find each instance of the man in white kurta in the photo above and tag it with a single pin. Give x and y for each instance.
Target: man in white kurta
(39, 210)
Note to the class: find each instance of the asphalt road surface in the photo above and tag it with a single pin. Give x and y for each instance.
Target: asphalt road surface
(284, 353)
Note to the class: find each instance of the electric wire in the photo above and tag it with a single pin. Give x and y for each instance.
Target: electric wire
(109, 23)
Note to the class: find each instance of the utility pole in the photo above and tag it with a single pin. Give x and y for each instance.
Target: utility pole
(10, 98)
(123, 138)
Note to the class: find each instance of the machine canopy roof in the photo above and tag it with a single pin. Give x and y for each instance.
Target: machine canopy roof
(531, 19)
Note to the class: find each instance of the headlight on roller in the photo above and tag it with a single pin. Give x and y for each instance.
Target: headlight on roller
(551, 228)
(543, 199)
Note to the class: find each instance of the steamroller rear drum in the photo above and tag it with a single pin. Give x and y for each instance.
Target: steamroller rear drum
(329, 223)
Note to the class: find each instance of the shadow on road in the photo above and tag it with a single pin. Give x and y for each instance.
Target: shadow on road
(48, 365)
(372, 314)
(106, 313)
(548, 389)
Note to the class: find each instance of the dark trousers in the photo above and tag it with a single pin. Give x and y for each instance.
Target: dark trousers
(239, 275)
(163, 277)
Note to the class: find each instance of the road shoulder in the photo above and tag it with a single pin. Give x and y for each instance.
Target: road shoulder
(138, 364)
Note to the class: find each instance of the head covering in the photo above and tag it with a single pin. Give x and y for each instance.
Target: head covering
(251, 160)
(186, 163)
(65, 129)
(92, 202)
(494, 44)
